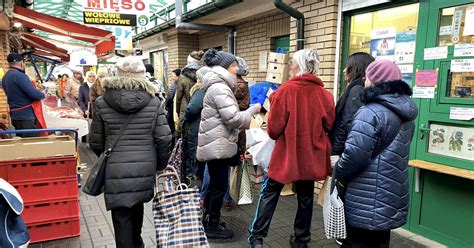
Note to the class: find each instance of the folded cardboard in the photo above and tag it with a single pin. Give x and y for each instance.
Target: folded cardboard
(280, 58)
(266, 105)
(39, 147)
(278, 78)
(277, 68)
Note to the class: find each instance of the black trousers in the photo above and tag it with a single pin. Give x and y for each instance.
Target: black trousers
(361, 238)
(25, 124)
(269, 195)
(128, 226)
(218, 176)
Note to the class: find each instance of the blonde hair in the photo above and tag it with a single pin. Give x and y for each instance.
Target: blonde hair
(308, 61)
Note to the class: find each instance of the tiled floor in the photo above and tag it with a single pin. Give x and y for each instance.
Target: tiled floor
(97, 229)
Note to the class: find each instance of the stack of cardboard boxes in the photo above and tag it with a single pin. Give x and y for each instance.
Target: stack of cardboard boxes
(4, 111)
(277, 70)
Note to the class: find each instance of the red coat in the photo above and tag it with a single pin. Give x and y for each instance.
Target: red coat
(302, 114)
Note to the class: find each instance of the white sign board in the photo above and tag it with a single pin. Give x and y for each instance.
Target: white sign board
(464, 50)
(436, 53)
(348, 5)
(462, 65)
(82, 57)
(423, 92)
(469, 22)
(464, 114)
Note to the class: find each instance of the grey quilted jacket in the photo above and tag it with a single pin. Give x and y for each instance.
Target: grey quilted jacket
(143, 148)
(221, 117)
(374, 164)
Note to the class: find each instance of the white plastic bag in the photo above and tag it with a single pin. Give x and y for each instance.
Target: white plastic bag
(264, 155)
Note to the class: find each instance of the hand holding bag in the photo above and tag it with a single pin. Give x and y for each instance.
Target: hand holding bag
(333, 212)
(95, 182)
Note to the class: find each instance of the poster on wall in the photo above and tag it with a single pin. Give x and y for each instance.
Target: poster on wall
(123, 36)
(382, 43)
(427, 78)
(457, 142)
(405, 47)
(82, 57)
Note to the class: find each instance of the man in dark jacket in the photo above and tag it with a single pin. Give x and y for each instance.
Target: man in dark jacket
(142, 150)
(374, 164)
(84, 93)
(170, 99)
(20, 94)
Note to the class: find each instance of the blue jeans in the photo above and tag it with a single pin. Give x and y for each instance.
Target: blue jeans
(205, 185)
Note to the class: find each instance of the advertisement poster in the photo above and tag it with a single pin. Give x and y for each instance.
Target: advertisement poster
(427, 78)
(382, 43)
(405, 47)
(457, 142)
(123, 36)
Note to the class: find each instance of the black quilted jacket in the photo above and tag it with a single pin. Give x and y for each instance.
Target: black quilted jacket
(374, 164)
(143, 148)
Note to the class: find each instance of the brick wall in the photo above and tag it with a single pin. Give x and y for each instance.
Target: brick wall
(210, 40)
(4, 50)
(320, 33)
(179, 47)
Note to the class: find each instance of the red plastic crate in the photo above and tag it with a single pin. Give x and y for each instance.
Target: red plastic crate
(58, 229)
(37, 169)
(44, 190)
(42, 211)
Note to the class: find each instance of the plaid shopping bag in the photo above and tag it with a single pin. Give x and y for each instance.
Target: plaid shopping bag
(333, 212)
(177, 214)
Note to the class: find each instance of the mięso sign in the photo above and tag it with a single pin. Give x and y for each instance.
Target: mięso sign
(114, 19)
(119, 6)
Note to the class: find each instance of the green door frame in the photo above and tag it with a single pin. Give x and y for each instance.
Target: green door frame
(436, 110)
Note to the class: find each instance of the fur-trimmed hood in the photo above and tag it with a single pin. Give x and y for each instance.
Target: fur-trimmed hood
(190, 72)
(126, 94)
(394, 95)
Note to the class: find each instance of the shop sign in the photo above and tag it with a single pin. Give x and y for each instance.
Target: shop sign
(457, 142)
(464, 50)
(348, 5)
(464, 114)
(382, 43)
(82, 57)
(426, 78)
(123, 36)
(118, 6)
(436, 53)
(115, 19)
(423, 92)
(462, 65)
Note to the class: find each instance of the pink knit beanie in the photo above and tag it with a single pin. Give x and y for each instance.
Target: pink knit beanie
(383, 70)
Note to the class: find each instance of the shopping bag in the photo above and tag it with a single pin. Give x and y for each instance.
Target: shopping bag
(94, 185)
(333, 213)
(177, 157)
(322, 191)
(245, 194)
(263, 156)
(177, 213)
(235, 180)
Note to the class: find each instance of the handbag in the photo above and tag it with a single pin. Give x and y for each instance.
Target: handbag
(333, 212)
(177, 157)
(235, 180)
(177, 213)
(95, 182)
(245, 192)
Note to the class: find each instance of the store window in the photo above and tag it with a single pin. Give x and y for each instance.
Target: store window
(387, 34)
(456, 26)
(159, 60)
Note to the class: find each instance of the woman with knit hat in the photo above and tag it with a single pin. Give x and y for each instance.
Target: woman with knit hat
(141, 151)
(302, 116)
(374, 164)
(221, 120)
(96, 89)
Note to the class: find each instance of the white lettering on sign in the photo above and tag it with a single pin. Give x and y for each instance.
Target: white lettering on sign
(462, 65)
(121, 6)
(464, 114)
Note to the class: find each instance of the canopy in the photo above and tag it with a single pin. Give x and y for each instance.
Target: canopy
(47, 49)
(103, 40)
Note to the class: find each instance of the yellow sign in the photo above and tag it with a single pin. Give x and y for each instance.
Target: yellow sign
(2, 72)
(109, 19)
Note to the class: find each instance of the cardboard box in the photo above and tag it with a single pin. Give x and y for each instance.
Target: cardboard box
(279, 58)
(39, 147)
(277, 78)
(277, 68)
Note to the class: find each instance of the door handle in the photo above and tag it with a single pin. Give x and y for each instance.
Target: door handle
(424, 130)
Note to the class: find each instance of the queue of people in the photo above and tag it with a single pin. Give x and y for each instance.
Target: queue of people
(369, 129)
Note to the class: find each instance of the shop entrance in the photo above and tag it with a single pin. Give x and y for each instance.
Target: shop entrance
(442, 185)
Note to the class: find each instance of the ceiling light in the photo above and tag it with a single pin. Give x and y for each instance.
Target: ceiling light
(17, 24)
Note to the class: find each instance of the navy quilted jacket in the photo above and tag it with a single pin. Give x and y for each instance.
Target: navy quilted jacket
(374, 165)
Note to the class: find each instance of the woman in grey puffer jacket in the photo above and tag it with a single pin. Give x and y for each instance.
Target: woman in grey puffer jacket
(221, 120)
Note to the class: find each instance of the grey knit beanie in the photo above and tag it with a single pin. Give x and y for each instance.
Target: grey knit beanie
(243, 67)
(224, 59)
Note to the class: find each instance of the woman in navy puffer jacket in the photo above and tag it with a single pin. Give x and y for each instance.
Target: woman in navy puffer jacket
(374, 165)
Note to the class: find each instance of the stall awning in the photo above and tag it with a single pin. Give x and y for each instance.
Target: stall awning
(103, 40)
(46, 48)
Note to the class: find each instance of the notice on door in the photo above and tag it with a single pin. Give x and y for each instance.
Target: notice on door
(436, 53)
(464, 114)
(423, 92)
(469, 22)
(464, 50)
(427, 78)
(462, 65)
(457, 142)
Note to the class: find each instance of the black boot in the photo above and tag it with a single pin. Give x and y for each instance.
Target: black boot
(258, 243)
(294, 244)
(216, 231)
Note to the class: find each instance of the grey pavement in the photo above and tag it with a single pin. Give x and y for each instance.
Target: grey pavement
(97, 228)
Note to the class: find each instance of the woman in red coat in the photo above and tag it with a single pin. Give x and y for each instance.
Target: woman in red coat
(302, 116)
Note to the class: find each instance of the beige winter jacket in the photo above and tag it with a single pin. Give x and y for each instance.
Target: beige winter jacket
(221, 118)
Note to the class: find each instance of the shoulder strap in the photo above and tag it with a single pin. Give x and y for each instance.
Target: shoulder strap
(119, 135)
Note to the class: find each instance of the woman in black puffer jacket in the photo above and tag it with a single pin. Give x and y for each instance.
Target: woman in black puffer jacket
(142, 150)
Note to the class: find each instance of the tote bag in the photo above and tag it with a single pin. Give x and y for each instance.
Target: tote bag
(333, 212)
